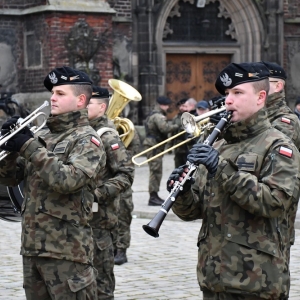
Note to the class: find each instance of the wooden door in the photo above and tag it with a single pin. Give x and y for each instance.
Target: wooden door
(193, 76)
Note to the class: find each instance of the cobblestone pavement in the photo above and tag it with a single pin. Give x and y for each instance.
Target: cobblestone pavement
(161, 268)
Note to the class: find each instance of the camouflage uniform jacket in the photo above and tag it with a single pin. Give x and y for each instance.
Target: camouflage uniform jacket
(282, 117)
(157, 128)
(243, 242)
(59, 169)
(116, 177)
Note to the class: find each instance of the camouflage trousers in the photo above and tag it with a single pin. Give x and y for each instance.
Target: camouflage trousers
(155, 170)
(207, 295)
(48, 278)
(104, 263)
(124, 220)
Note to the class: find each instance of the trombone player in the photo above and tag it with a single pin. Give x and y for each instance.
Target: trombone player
(157, 129)
(59, 169)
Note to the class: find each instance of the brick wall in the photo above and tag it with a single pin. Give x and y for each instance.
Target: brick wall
(52, 29)
(123, 8)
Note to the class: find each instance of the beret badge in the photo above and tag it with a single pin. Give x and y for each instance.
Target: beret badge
(53, 78)
(226, 80)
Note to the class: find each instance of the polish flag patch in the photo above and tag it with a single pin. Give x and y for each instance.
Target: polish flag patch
(286, 151)
(95, 141)
(285, 120)
(115, 146)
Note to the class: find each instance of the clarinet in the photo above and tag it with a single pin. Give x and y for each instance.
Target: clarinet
(153, 226)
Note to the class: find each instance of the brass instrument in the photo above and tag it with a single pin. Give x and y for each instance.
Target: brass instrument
(123, 94)
(21, 123)
(191, 124)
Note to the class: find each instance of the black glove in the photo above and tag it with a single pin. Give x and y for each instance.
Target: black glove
(9, 124)
(215, 119)
(175, 177)
(15, 143)
(201, 154)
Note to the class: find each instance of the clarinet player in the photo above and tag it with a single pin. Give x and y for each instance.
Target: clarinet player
(244, 190)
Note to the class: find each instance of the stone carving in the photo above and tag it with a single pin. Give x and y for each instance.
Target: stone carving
(82, 44)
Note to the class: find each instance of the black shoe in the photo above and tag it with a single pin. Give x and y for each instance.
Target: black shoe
(155, 200)
(120, 257)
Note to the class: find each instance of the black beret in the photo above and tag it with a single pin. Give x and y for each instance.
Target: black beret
(99, 92)
(275, 70)
(163, 100)
(235, 74)
(297, 101)
(65, 75)
(182, 101)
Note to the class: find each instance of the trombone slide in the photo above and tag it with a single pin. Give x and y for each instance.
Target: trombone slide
(191, 124)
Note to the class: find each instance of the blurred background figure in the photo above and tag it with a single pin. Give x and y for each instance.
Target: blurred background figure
(202, 107)
(297, 107)
(157, 129)
(189, 105)
(180, 153)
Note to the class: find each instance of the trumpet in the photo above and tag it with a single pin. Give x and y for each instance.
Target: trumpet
(191, 124)
(21, 123)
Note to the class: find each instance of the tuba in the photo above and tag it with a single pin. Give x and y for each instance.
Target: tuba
(123, 94)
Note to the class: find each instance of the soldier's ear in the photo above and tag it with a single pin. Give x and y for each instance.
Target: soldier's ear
(81, 101)
(262, 96)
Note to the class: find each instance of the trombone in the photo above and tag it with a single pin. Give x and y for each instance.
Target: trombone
(191, 124)
(21, 123)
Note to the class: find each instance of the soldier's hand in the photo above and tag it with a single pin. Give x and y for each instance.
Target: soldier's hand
(9, 124)
(177, 175)
(201, 154)
(215, 119)
(15, 143)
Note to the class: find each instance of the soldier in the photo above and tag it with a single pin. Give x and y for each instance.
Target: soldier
(157, 129)
(59, 169)
(180, 153)
(297, 108)
(125, 212)
(280, 115)
(8, 108)
(116, 178)
(202, 107)
(190, 106)
(244, 189)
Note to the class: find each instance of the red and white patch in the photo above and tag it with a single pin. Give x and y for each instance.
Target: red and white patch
(115, 146)
(285, 120)
(286, 151)
(95, 141)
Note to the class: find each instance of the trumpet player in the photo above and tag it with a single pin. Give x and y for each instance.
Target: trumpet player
(116, 178)
(59, 169)
(245, 189)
